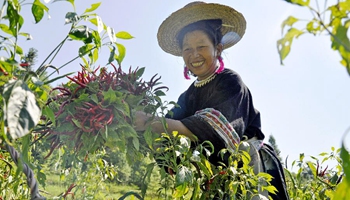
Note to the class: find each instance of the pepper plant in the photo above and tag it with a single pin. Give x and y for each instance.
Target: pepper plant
(333, 20)
(26, 91)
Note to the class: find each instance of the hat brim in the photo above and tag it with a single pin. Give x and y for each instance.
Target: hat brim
(232, 22)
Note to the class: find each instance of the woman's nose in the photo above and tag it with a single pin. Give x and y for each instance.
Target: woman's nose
(195, 53)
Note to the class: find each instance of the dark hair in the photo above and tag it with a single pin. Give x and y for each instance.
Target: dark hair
(211, 27)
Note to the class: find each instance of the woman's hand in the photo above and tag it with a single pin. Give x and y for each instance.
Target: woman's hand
(143, 120)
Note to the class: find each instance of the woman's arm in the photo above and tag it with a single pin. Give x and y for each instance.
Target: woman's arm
(143, 120)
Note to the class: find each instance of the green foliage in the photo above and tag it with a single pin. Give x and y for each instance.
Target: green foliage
(187, 173)
(96, 110)
(86, 123)
(25, 92)
(314, 180)
(334, 20)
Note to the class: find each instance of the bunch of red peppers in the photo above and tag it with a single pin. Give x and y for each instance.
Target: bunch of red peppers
(92, 101)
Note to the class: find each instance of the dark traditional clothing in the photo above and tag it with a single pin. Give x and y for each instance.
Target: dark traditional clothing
(222, 112)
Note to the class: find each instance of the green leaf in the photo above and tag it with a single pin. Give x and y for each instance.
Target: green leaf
(159, 93)
(149, 137)
(345, 156)
(81, 33)
(70, 1)
(147, 178)
(183, 175)
(342, 191)
(93, 7)
(284, 44)
(299, 2)
(270, 188)
(111, 55)
(96, 38)
(100, 25)
(98, 22)
(38, 10)
(109, 96)
(312, 168)
(121, 56)
(180, 190)
(289, 21)
(77, 123)
(85, 49)
(340, 37)
(27, 35)
(124, 35)
(21, 112)
(111, 35)
(204, 169)
(310, 27)
(71, 17)
(41, 177)
(140, 72)
(266, 176)
(5, 29)
(95, 55)
(136, 143)
(25, 140)
(16, 20)
(19, 50)
(47, 111)
(36, 80)
(301, 157)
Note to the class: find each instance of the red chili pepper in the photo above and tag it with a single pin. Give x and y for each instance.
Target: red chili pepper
(222, 172)
(90, 105)
(69, 190)
(170, 171)
(109, 121)
(86, 157)
(61, 89)
(60, 110)
(4, 71)
(24, 64)
(77, 82)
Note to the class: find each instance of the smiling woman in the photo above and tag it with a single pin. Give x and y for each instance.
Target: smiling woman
(218, 106)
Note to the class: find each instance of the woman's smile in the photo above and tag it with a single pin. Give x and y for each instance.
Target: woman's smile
(197, 64)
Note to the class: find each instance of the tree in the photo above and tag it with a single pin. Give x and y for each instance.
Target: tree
(272, 142)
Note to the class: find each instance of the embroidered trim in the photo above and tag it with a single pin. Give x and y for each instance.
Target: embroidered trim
(220, 124)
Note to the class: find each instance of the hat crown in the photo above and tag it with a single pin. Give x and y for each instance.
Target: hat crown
(194, 3)
(232, 21)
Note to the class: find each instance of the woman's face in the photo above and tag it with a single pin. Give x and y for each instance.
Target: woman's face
(199, 53)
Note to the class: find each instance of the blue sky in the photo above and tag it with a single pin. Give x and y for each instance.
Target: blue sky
(304, 104)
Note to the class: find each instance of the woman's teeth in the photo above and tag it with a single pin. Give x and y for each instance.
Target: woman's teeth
(197, 64)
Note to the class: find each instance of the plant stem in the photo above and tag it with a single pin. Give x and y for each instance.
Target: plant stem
(2, 9)
(347, 48)
(53, 51)
(67, 63)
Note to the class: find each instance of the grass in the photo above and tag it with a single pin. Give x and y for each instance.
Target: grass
(112, 191)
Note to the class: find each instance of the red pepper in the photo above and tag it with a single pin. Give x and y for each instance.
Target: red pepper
(69, 190)
(77, 82)
(4, 71)
(24, 64)
(109, 121)
(222, 172)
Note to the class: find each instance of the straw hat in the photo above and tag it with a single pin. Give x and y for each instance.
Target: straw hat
(233, 24)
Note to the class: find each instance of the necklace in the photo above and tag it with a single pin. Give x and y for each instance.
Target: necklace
(200, 83)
